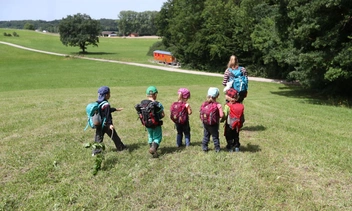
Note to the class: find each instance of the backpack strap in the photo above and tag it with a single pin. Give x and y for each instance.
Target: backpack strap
(99, 110)
(86, 125)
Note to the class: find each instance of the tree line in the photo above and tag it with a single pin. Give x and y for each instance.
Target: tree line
(304, 40)
(52, 26)
(142, 23)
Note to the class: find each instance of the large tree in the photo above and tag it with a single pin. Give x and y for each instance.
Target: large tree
(79, 30)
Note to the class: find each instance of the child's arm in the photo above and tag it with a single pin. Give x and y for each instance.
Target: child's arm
(221, 113)
(160, 110)
(226, 77)
(226, 112)
(189, 109)
(115, 109)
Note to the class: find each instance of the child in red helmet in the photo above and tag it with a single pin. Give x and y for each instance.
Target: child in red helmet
(234, 117)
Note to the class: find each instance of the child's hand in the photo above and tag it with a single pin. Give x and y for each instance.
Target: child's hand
(111, 127)
(119, 109)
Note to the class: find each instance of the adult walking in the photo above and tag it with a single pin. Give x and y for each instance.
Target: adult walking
(236, 77)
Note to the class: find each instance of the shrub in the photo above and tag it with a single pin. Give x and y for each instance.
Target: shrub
(156, 46)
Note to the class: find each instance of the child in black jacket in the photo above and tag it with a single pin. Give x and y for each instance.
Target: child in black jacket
(108, 126)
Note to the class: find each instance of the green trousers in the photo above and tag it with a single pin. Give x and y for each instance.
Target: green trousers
(155, 135)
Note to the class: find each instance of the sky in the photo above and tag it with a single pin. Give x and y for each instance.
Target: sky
(49, 10)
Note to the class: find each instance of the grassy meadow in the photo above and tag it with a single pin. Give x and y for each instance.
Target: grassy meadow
(127, 50)
(295, 153)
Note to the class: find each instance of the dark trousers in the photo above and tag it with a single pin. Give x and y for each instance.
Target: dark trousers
(211, 130)
(241, 96)
(183, 129)
(232, 137)
(99, 137)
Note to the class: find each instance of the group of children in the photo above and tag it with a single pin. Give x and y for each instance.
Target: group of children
(151, 113)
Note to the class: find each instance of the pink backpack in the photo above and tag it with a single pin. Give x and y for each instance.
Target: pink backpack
(179, 113)
(209, 113)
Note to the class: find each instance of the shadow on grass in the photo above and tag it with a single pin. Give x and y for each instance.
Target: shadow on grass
(170, 150)
(91, 53)
(109, 163)
(250, 148)
(311, 97)
(131, 147)
(254, 128)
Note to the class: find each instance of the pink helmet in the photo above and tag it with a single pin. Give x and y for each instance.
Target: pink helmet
(184, 93)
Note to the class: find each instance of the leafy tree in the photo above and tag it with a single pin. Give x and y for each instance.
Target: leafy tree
(108, 24)
(162, 21)
(79, 30)
(319, 32)
(146, 23)
(28, 26)
(184, 38)
(142, 23)
(126, 22)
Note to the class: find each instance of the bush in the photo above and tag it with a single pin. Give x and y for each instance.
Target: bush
(156, 46)
(7, 35)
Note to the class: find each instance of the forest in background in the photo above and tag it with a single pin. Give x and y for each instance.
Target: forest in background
(142, 23)
(51, 26)
(309, 41)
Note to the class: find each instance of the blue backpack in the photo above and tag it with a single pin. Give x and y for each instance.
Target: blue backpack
(240, 81)
(93, 111)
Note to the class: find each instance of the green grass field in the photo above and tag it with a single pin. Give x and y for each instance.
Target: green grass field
(296, 149)
(127, 50)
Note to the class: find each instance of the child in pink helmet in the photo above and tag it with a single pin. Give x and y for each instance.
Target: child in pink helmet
(179, 113)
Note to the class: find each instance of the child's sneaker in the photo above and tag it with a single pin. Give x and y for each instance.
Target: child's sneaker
(237, 149)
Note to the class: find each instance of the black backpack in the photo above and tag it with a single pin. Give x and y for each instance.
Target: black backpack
(146, 111)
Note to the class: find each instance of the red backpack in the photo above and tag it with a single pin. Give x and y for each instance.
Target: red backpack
(209, 113)
(235, 117)
(179, 113)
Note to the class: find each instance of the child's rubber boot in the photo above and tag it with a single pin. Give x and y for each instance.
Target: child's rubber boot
(153, 150)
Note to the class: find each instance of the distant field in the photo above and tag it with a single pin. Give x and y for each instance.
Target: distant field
(296, 149)
(128, 50)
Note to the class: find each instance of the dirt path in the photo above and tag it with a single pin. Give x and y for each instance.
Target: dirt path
(165, 68)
